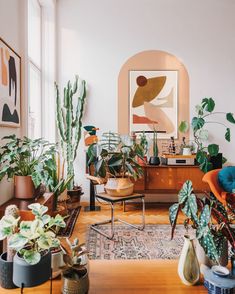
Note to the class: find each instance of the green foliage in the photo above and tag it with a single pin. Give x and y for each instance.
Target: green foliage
(184, 126)
(200, 213)
(31, 238)
(121, 162)
(204, 111)
(144, 144)
(69, 121)
(26, 157)
(110, 141)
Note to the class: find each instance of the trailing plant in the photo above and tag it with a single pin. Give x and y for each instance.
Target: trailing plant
(69, 122)
(26, 157)
(32, 238)
(204, 112)
(207, 216)
(73, 266)
(8, 226)
(119, 163)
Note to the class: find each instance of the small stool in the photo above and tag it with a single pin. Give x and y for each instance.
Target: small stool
(112, 200)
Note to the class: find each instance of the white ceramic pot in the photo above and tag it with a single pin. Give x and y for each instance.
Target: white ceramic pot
(118, 187)
(56, 263)
(187, 151)
(188, 266)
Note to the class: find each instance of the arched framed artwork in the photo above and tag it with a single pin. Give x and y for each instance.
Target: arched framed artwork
(10, 86)
(153, 91)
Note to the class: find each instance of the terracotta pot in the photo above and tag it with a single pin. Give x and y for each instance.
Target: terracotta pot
(24, 187)
(118, 187)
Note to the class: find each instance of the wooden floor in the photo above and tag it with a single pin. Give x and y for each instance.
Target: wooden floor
(129, 276)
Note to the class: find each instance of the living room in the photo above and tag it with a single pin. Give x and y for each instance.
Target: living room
(149, 107)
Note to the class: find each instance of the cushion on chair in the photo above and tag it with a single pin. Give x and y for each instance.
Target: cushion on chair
(226, 178)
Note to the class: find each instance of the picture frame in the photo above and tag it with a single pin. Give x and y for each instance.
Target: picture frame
(10, 86)
(153, 102)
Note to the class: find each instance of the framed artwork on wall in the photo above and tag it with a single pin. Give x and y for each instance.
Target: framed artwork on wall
(153, 102)
(10, 85)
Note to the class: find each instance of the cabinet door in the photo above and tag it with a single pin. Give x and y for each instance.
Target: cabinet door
(193, 174)
(161, 178)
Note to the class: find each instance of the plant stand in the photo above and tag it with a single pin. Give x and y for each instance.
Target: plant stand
(92, 206)
(22, 285)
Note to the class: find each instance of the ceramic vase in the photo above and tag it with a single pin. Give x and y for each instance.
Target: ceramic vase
(24, 187)
(188, 267)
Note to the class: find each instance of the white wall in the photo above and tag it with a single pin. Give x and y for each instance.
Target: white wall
(12, 32)
(95, 38)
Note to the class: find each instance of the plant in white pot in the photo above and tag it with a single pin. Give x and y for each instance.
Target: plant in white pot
(32, 241)
(25, 161)
(118, 166)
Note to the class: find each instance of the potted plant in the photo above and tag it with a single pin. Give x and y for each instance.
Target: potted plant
(208, 217)
(25, 160)
(208, 156)
(32, 241)
(118, 166)
(69, 123)
(154, 160)
(75, 272)
(144, 145)
(8, 226)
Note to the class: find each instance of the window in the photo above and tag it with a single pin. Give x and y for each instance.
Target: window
(41, 56)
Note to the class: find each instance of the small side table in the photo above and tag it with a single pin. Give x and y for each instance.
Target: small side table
(112, 200)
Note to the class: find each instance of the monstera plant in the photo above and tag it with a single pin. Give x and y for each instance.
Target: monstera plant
(205, 115)
(207, 216)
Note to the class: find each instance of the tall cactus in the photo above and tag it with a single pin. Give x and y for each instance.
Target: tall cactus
(69, 122)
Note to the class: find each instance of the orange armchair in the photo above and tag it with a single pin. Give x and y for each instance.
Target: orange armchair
(211, 178)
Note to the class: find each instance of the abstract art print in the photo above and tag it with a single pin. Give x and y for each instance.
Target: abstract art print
(153, 102)
(9, 86)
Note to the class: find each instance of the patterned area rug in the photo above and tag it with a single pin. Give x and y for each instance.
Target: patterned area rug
(70, 223)
(152, 243)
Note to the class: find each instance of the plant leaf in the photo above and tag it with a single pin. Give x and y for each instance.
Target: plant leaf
(208, 104)
(32, 257)
(184, 126)
(185, 192)
(213, 149)
(205, 216)
(227, 134)
(197, 123)
(230, 117)
(173, 214)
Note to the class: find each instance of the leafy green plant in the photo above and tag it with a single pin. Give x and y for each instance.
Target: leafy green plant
(204, 112)
(69, 122)
(144, 144)
(119, 163)
(32, 238)
(110, 141)
(207, 216)
(26, 157)
(73, 266)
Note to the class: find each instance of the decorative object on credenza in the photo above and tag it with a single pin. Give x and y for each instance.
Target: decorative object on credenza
(90, 136)
(188, 266)
(116, 164)
(153, 94)
(217, 280)
(8, 226)
(70, 124)
(154, 160)
(169, 159)
(212, 236)
(26, 160)
(144, 144)
(10, 64)
(208, 157)
(75, 279)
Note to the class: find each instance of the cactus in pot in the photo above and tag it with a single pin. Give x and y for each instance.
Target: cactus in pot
(69, 122)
